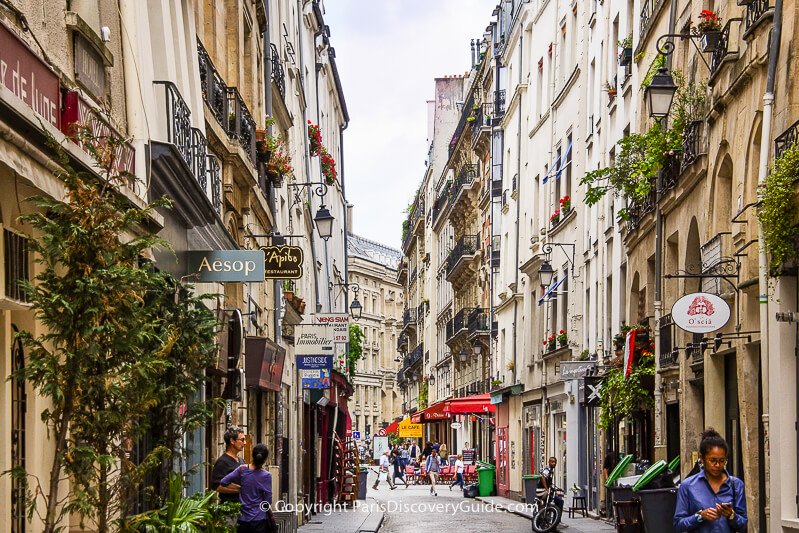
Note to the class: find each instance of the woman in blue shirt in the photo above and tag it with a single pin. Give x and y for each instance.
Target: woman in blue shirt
(711, 501)
(255, 494)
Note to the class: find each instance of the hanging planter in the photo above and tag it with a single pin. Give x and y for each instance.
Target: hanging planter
(625, 57)
(710, 41)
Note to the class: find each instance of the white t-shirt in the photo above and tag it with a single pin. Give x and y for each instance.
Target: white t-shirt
(459, 466)
(384, 462)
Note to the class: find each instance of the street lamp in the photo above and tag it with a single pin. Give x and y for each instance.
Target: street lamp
(464, 355)
(356, 309)
(477, 347)
(660, 93)
(324, 222)
(431, 379)
(546, 274)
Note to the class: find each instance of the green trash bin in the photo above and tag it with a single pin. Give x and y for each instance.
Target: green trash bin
(485, 478)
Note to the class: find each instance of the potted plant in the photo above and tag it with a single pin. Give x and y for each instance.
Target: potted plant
(709, 30)
(264, 143)
(328, 166)
(288, 290)
(554, 218)
(610, 89)
(279, 164)
(566, 205)
(314, 139)
(549, 342)
(626, 51)
(562, 338)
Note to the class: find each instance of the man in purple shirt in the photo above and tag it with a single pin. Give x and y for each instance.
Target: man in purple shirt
(711, 501)
(255, 494)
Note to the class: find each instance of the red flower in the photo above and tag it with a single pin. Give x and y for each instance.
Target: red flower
(314, 139)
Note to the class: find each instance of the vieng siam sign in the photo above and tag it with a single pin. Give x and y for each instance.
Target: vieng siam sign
(282, 262)
(227, 265)
(700, 312)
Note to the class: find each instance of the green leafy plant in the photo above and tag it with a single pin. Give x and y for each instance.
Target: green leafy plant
(122, 348)
(406, 227)
(355, 347)
(619, 397)
(584, 356)
(394, 439)
(201, 513)
(423, 393)
(627, 42)
(778, 211)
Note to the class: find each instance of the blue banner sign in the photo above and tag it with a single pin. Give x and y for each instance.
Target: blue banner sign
(315, 371)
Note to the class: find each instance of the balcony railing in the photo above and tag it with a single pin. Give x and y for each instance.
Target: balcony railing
(466, 112)
(638, 210)
(787, 139)
(647, 10)
(499, 105)
(669, 359)
(240, 124)
(215, 177)
(691, 147)
(278, 75)
(670, 173)
(442, 201)
(466, 245)
(402, 342)
(480, 121)
(721, 50)
(465, 177)
(418, 213)
(459, 322)
(416, 355)
(754, 11)
(409, 317)
(478, 321)
(666, 333)
(214, 88)
(412, 276)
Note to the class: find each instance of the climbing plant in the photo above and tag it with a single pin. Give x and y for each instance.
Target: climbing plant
(355, 349)
(620, 397)
(777, 211)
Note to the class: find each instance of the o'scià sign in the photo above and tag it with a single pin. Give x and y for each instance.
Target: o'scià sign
(700, 312)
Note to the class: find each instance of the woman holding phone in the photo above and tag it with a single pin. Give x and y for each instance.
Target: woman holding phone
(712, 500)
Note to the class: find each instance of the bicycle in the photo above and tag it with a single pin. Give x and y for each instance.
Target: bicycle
(546, 511)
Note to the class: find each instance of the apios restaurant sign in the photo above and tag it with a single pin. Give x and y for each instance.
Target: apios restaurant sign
(700, 312)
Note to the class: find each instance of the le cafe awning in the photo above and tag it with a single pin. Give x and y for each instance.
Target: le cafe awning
(478, 403)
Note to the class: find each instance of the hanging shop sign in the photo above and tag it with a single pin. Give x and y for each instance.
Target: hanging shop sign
(227, 265)
(576, 369)
(313, 339)
(410, 430)
(264, 361)
(339, 323)
(315, 371)
(282, 262)
(29, 78)
(700, 312)
(455, 425)
(593, 388)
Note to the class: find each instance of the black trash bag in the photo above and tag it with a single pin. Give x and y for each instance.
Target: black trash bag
(471, 491)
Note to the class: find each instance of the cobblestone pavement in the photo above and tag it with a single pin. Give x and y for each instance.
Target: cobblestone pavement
(413, 509)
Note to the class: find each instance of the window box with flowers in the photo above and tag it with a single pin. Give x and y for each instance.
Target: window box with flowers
(611, 90)
(279, 164)
(328, 166)
(562, 338)
(709, 30)
(550, 343)
(314, 139)
(554, 218)
(565, 205)
(626, 51)
(264, 143)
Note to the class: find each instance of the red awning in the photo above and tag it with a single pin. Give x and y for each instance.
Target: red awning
(393, 427)
(479, 403)
(434, 413)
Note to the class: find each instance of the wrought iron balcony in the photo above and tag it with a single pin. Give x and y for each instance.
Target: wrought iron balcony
(409, 317)
(402, 272)
(467, 246)
(691, 143)
(401, 378)
(466, 176)
(669, 359)
(459, 323)
(442, 202)
(215, 179)
(412, 276)
(670, 173)
(480, 124)
(417, 215)
(416, 355)
(278, 74)
(466, 112)
(478, 322)
(638, 210)
(213, 86)
(786, 140)
(402, 343)
(504, 200)
(240, 124)
(499, 105)
(717, 58)
(754, 10)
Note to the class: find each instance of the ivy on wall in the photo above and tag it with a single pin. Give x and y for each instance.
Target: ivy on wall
(777, 211)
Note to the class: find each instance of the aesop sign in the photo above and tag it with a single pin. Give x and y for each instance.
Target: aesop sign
(227, 265)
(282, 262)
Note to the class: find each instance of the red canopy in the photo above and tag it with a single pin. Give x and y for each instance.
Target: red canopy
(479, 403)
(393, 427)
(437, 411)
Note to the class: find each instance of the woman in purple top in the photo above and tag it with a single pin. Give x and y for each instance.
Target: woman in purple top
(255, 494)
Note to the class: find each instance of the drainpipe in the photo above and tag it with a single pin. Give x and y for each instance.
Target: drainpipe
(518, 211)
(762, 270)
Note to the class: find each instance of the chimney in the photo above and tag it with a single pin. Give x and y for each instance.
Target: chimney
(474, 61)
(350, 221)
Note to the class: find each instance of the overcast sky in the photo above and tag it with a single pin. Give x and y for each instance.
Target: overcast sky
(388, 52)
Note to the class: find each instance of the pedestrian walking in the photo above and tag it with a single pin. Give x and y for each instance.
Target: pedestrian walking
(458, 472)
(404, 455)
(255, 493)
(234, 443)
(442, 453)
(414, 451)
(433, 467)
(427, 449)
(399, 470)
(383, 473)
(711, 501)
